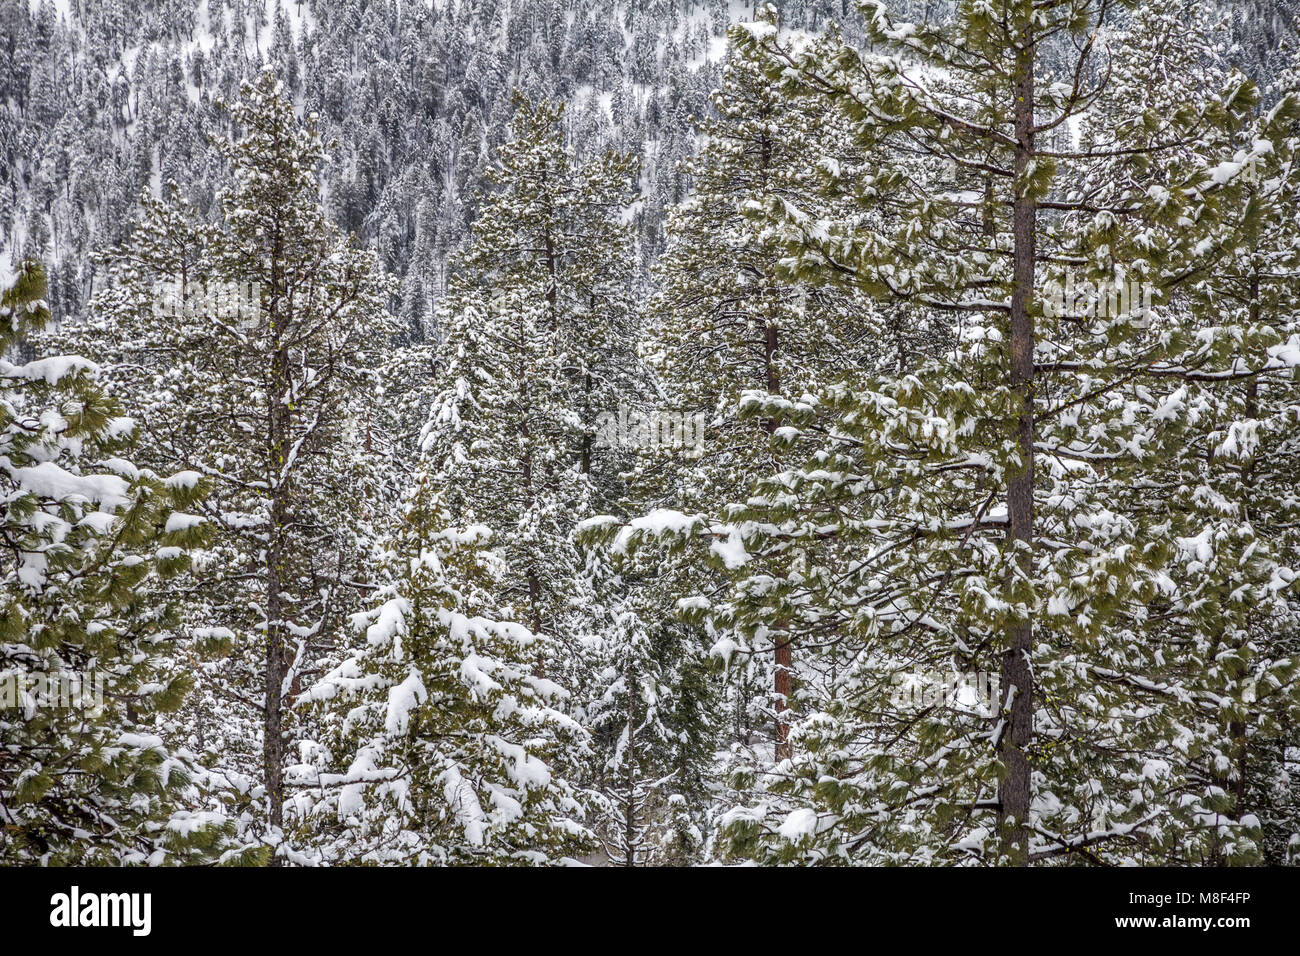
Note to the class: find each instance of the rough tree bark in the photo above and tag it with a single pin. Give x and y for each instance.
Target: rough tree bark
(1017, 678)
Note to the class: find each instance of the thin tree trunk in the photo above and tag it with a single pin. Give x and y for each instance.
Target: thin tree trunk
(1017, 673)
(783, 685)
(273, 730)
(629, 813)
(277, 545)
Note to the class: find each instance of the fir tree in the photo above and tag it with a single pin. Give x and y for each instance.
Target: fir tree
(537, 326)
(651, 713)
(453, 749)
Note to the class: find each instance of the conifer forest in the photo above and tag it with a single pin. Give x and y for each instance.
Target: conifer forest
(650, 433)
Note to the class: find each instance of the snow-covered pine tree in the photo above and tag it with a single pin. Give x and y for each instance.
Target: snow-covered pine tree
(87, 660)
(974, 496)
(538, 324)
(250, 350)
(538, 353)
(1232, 619)
(1265, 284)
(441, 745)
(724, 323)
(1200, 679)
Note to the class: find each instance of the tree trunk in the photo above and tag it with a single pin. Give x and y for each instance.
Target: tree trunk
(277, 545)
(782, 688)
(782, 680)
(1017, 673)
(273, 729)
(629, 809)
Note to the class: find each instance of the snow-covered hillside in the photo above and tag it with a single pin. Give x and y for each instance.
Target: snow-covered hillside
(534, 431)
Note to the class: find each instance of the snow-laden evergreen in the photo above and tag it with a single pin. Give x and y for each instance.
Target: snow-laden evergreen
(442, 743)
(87, 660)
(653, 433)
(970, 513)
(249, 351)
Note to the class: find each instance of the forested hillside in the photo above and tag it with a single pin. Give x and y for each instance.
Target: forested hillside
(102, 100)
(664, 433)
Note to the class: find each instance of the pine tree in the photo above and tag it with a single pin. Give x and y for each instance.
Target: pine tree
(86, 659)
(961, 517)
(1233, 616)
(251, 352)
(726, 324)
